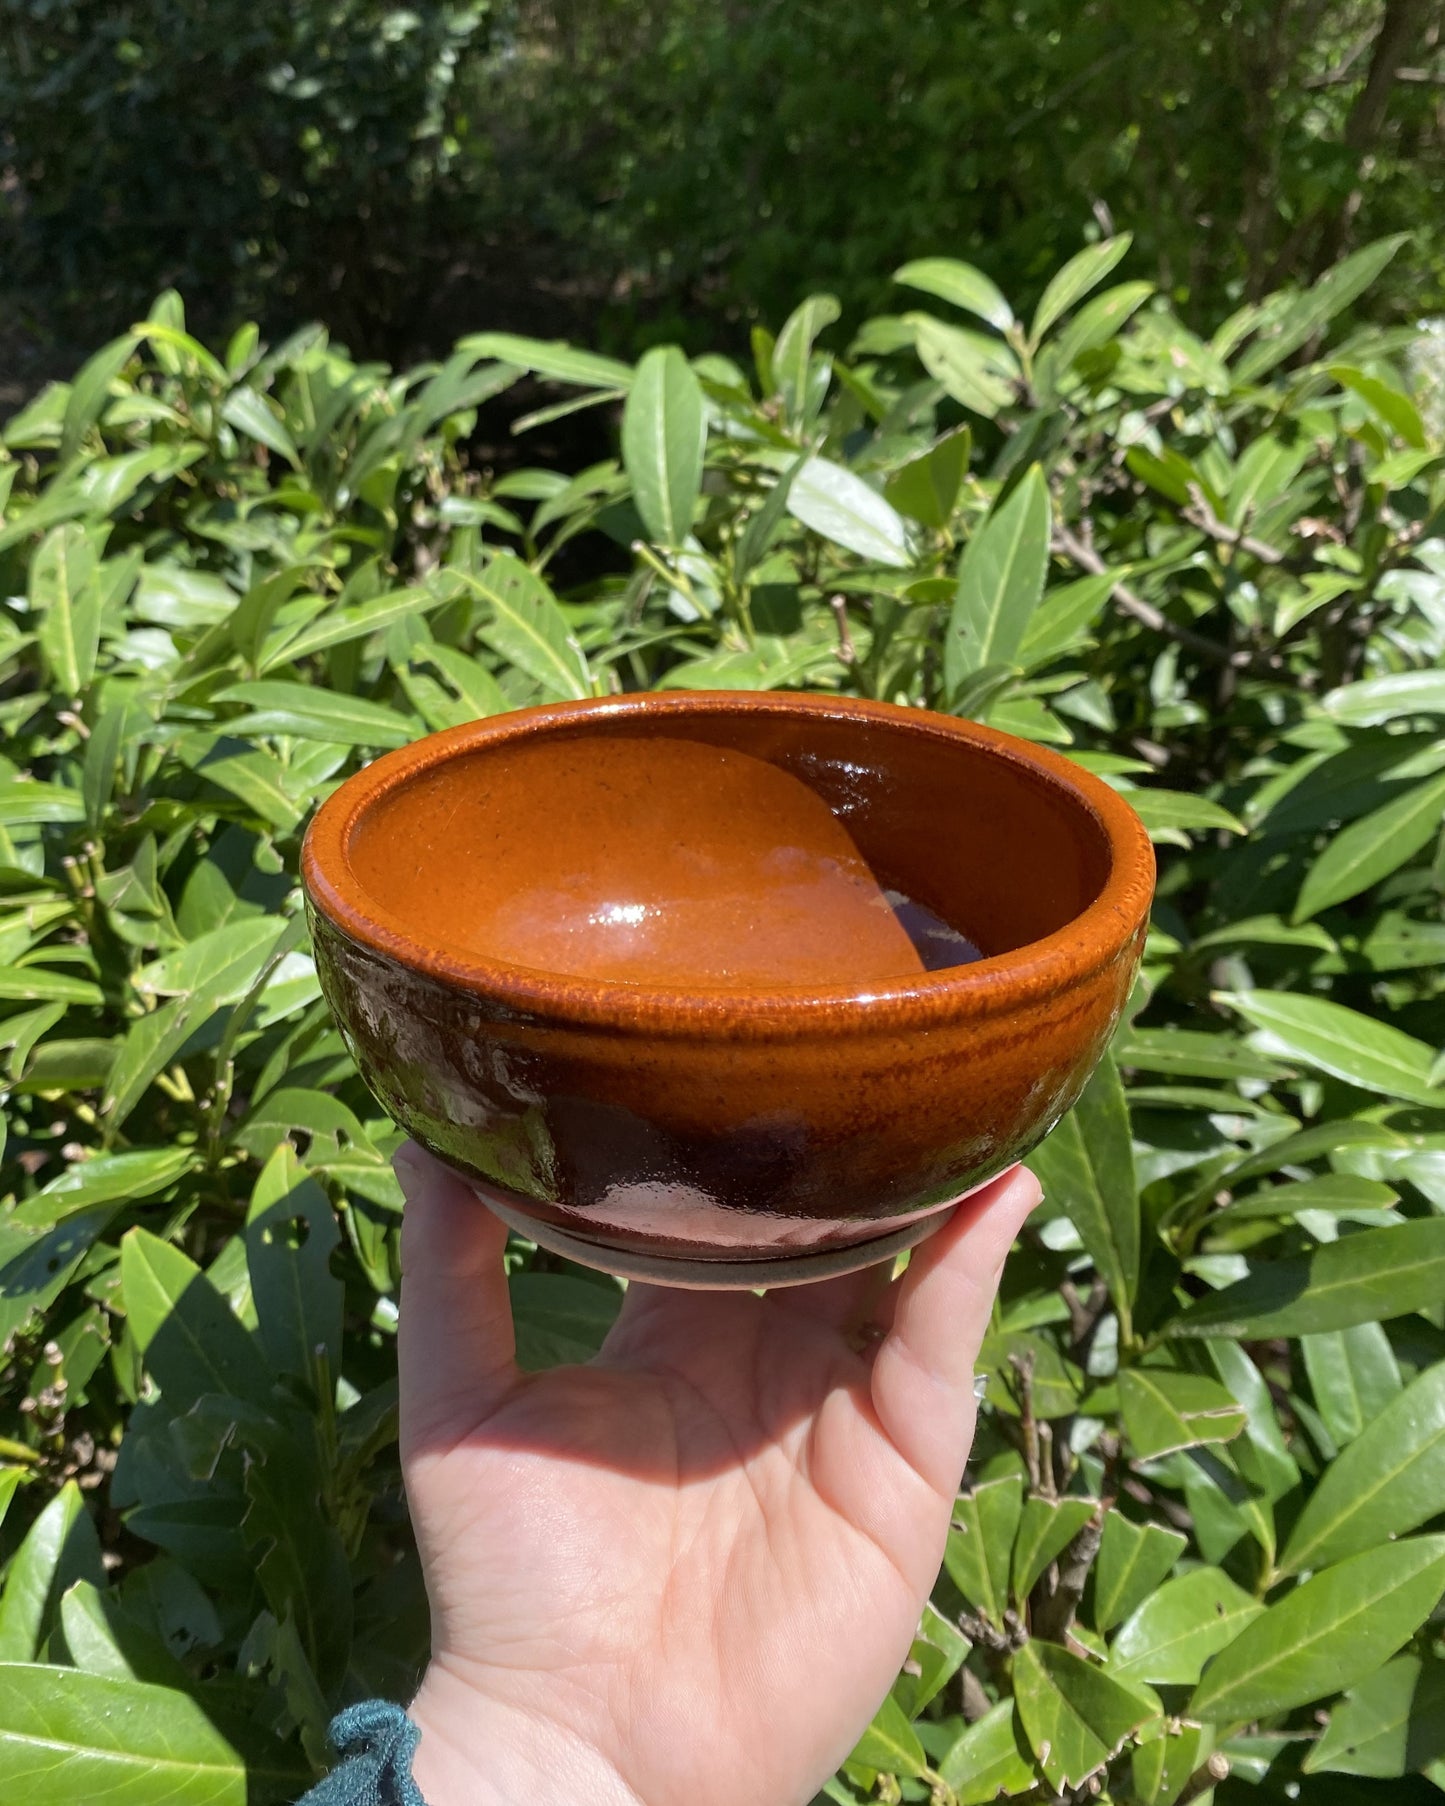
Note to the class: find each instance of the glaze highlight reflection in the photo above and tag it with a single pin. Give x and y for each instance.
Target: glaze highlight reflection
(703, 865)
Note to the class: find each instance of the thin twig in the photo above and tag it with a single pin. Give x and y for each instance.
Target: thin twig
(1056, 1613)
(976, 1702)
(1023, 1366)
(1200, 514)
(985, 1634)
(847, 651)
(1068, 545)
(1085, 1316)
(1209, 1774)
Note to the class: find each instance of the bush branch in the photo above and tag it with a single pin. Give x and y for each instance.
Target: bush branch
(1200, 514)
(1067, 544)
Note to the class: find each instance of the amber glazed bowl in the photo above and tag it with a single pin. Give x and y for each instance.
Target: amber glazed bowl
(726, 989)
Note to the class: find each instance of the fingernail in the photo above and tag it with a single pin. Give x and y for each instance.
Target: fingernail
(406, 1163)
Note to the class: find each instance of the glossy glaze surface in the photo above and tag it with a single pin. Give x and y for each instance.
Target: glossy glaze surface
(675, 862)
(746, 1055)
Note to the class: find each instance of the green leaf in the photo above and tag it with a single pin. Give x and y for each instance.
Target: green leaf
(249, 413)
(1165, 1410)
(35, 1267)
(1327, 1634)
(187, 1334)
(842, 507)
(1075, 1715)
(1046, 1528)
(102, 754)
(64, 595)
(1353, 1375)
(1191, 1053)
(33, 984)
(290, 1236)
(479, 691)
(9, 1484)
(1308, 313)
(664, 433)
(226, 961)
(528, 628)
(1160, 810)
(276, 707)
(1390, 1479)
(1064, 614)
(1392, 405)
(1170, 1637)
(300, 1558)
(256, 779)
(926, 487)
(1087, 1166)
(980, 1544)
(553, 358)
(990, 1757)
(1391, 1724)
(1081, 273)
(102, 1639)
(979, 373)
(1378, 701)
(1339, 1041)
(1377, 1274)
(24, 803)
(150, 1045)
(90, 392)
(890, 1744)
(1132, 1560)
(764, 521)
(1334, 1191)
(339, 626)
(67, 1736)
(560, 1319)
(793, 352)
(104, 1179)
(1373, 847)
(1000, 581)
(1166, 1758)
(60, 1548)
(959, 283)
(1264, 1462)
(1310, 1144)
(1100, 321)
(939, 1650)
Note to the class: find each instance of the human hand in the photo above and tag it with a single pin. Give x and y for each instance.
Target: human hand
(689, 1570)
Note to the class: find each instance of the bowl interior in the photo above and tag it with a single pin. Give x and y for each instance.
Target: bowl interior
(739, 849)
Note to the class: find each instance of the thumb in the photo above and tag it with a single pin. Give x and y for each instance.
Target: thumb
(922, 1380)
(456, 1351)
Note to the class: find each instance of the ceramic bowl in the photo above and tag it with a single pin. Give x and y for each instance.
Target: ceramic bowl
(726, 988)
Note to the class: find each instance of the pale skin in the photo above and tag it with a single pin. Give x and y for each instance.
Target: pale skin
(689, 1570)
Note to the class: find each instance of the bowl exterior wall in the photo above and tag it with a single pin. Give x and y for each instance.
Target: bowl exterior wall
(730, 1145)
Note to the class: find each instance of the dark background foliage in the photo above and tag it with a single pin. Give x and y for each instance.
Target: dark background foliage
(635, 169)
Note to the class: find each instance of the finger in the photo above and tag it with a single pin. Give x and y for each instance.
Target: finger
(456, 1353)
(845, 1303)
(922, 1382)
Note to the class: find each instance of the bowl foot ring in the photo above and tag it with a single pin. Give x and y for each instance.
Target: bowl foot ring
(715, 1275)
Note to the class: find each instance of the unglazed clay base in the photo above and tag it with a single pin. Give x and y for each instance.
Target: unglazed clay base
(715, 1275)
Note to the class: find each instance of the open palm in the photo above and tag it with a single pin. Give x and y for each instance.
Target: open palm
(689, 1570)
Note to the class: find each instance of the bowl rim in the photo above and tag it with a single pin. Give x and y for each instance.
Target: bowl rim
(1101, 934)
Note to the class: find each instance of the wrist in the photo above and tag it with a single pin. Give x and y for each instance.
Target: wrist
(477, 1750)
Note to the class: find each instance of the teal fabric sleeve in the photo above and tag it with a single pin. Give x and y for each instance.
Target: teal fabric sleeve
(376, 1742)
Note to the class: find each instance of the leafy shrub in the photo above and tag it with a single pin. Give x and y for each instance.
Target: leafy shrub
(1202, 1524)
(706, 162)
